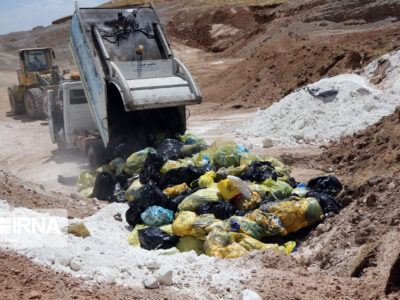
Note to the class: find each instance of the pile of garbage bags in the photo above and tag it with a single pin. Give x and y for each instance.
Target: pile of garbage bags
(218, 199)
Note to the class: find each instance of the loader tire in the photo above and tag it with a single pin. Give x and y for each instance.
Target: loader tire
(17, 107)
(33, 103)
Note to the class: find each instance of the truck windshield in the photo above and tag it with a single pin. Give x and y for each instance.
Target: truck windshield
(77, 97)
(36, 60)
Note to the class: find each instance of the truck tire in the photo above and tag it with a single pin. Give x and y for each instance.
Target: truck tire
(44, 106)
(17, 107)
(33, 103)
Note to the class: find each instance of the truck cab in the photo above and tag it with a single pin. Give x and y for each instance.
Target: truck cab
(71, 124)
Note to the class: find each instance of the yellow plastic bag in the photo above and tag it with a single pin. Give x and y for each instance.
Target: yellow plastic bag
(227, 189)
(133, 237)
(189, 243)
(227, 156)
(221, 243)
(169, 165)
(191, 202)
(297, 214)
(182, 225)
(249, 204)
(134, 191)
(176, 190)
(249, 158)
(207, 179)
(105, 168)
(85, 193)
(187, 223)
(189, 150)
(269, 222)
(289, 246)
(136, 161)
(250, 243)
(86, 179)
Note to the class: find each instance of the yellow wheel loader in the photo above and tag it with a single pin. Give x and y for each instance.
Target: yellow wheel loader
(36, 75)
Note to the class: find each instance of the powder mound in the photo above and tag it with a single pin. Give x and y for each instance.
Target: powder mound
(330, 108)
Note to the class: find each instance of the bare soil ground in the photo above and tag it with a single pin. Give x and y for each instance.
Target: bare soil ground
(243, 57)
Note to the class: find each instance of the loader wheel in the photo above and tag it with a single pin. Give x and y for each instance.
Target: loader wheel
(33, 103)
(17, 107)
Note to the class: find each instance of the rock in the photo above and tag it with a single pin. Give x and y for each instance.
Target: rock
(152, 265)
(64, 260)
(190, 258)
(79, 230)
(34, 295)
(118, 217)
(391, 186)
(371, 200)
(249, 295)
(267, 143)
(151, 283)
(164, 276)
(75, 265)
(75, 196)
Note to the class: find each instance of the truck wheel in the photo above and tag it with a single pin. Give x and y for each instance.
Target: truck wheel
(33, 103)
(17, 107)
(44, 106)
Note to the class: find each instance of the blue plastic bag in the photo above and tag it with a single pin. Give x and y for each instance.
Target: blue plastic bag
(157, 216)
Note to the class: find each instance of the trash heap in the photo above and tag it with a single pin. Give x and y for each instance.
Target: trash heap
(218, 199)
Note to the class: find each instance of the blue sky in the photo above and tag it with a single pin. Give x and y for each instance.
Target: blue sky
(19, 15)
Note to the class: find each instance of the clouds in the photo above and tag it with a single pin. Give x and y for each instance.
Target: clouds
(26, 14)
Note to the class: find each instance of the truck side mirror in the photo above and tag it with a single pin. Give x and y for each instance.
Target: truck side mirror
(53, 53)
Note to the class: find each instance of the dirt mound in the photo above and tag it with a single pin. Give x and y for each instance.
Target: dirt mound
(215, 29)
(20, 193)
(369, 154)
(365, 10)
(22, 279)
(283, 65)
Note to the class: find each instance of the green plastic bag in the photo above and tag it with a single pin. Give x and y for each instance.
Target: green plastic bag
(280, 168)
(136, 161)
(278, 190)
(134, 191)
(117, 165)
(227, 156)
(249, 158)
(190, 139)
(248, 227)
(189, 243)
(191, 202)
(86, 179)
(258, 188)
(189, 150)
(85, 193)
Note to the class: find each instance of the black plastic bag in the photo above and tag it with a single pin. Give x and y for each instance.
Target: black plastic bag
(122, 179)
(155, 238)
(259, 171)
(104, 186)
(325, 184)
(327, 202)
(151, 195)
(293, 183)
(151, 169)
(119, 194)
(169, 149)
(132, 215)
(241, 213)
(183, 175)
(221, 209)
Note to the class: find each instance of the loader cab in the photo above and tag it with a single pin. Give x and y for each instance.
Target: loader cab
(34, 60)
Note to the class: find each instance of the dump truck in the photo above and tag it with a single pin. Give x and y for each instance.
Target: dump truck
(136, 89)
(36, 76)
